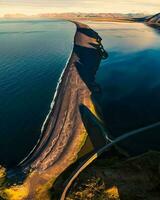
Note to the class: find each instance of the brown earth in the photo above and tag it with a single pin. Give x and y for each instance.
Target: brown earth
(115, 178)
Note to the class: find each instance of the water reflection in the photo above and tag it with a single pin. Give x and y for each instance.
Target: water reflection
(129, 78)
(127, 37)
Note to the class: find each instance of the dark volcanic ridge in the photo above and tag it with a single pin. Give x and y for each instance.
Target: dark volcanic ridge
(154, 20)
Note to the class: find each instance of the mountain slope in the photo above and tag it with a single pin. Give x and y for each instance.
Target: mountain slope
(154, 20)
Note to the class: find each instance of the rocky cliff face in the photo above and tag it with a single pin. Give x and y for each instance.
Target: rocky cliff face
(154, 20)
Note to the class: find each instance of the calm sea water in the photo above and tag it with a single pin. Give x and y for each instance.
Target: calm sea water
(32, 57)
(130, 77)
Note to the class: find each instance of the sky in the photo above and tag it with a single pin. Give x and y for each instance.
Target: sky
(108, 6)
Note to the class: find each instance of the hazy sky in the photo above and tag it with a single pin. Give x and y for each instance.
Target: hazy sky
(43, 6)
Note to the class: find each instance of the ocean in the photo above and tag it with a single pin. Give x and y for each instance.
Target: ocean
(33, 54)
(129, 78)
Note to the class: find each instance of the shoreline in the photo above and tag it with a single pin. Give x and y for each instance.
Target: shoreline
(155, 26)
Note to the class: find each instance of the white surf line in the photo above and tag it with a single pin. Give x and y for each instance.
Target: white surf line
(99, 152)
(51, 107)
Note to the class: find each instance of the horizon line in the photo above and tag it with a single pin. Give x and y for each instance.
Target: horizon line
(122, 13)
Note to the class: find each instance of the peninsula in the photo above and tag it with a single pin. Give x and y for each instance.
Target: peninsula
(64, 134)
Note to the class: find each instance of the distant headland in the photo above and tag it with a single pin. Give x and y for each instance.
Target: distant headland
(151, 20)
(81, 16)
